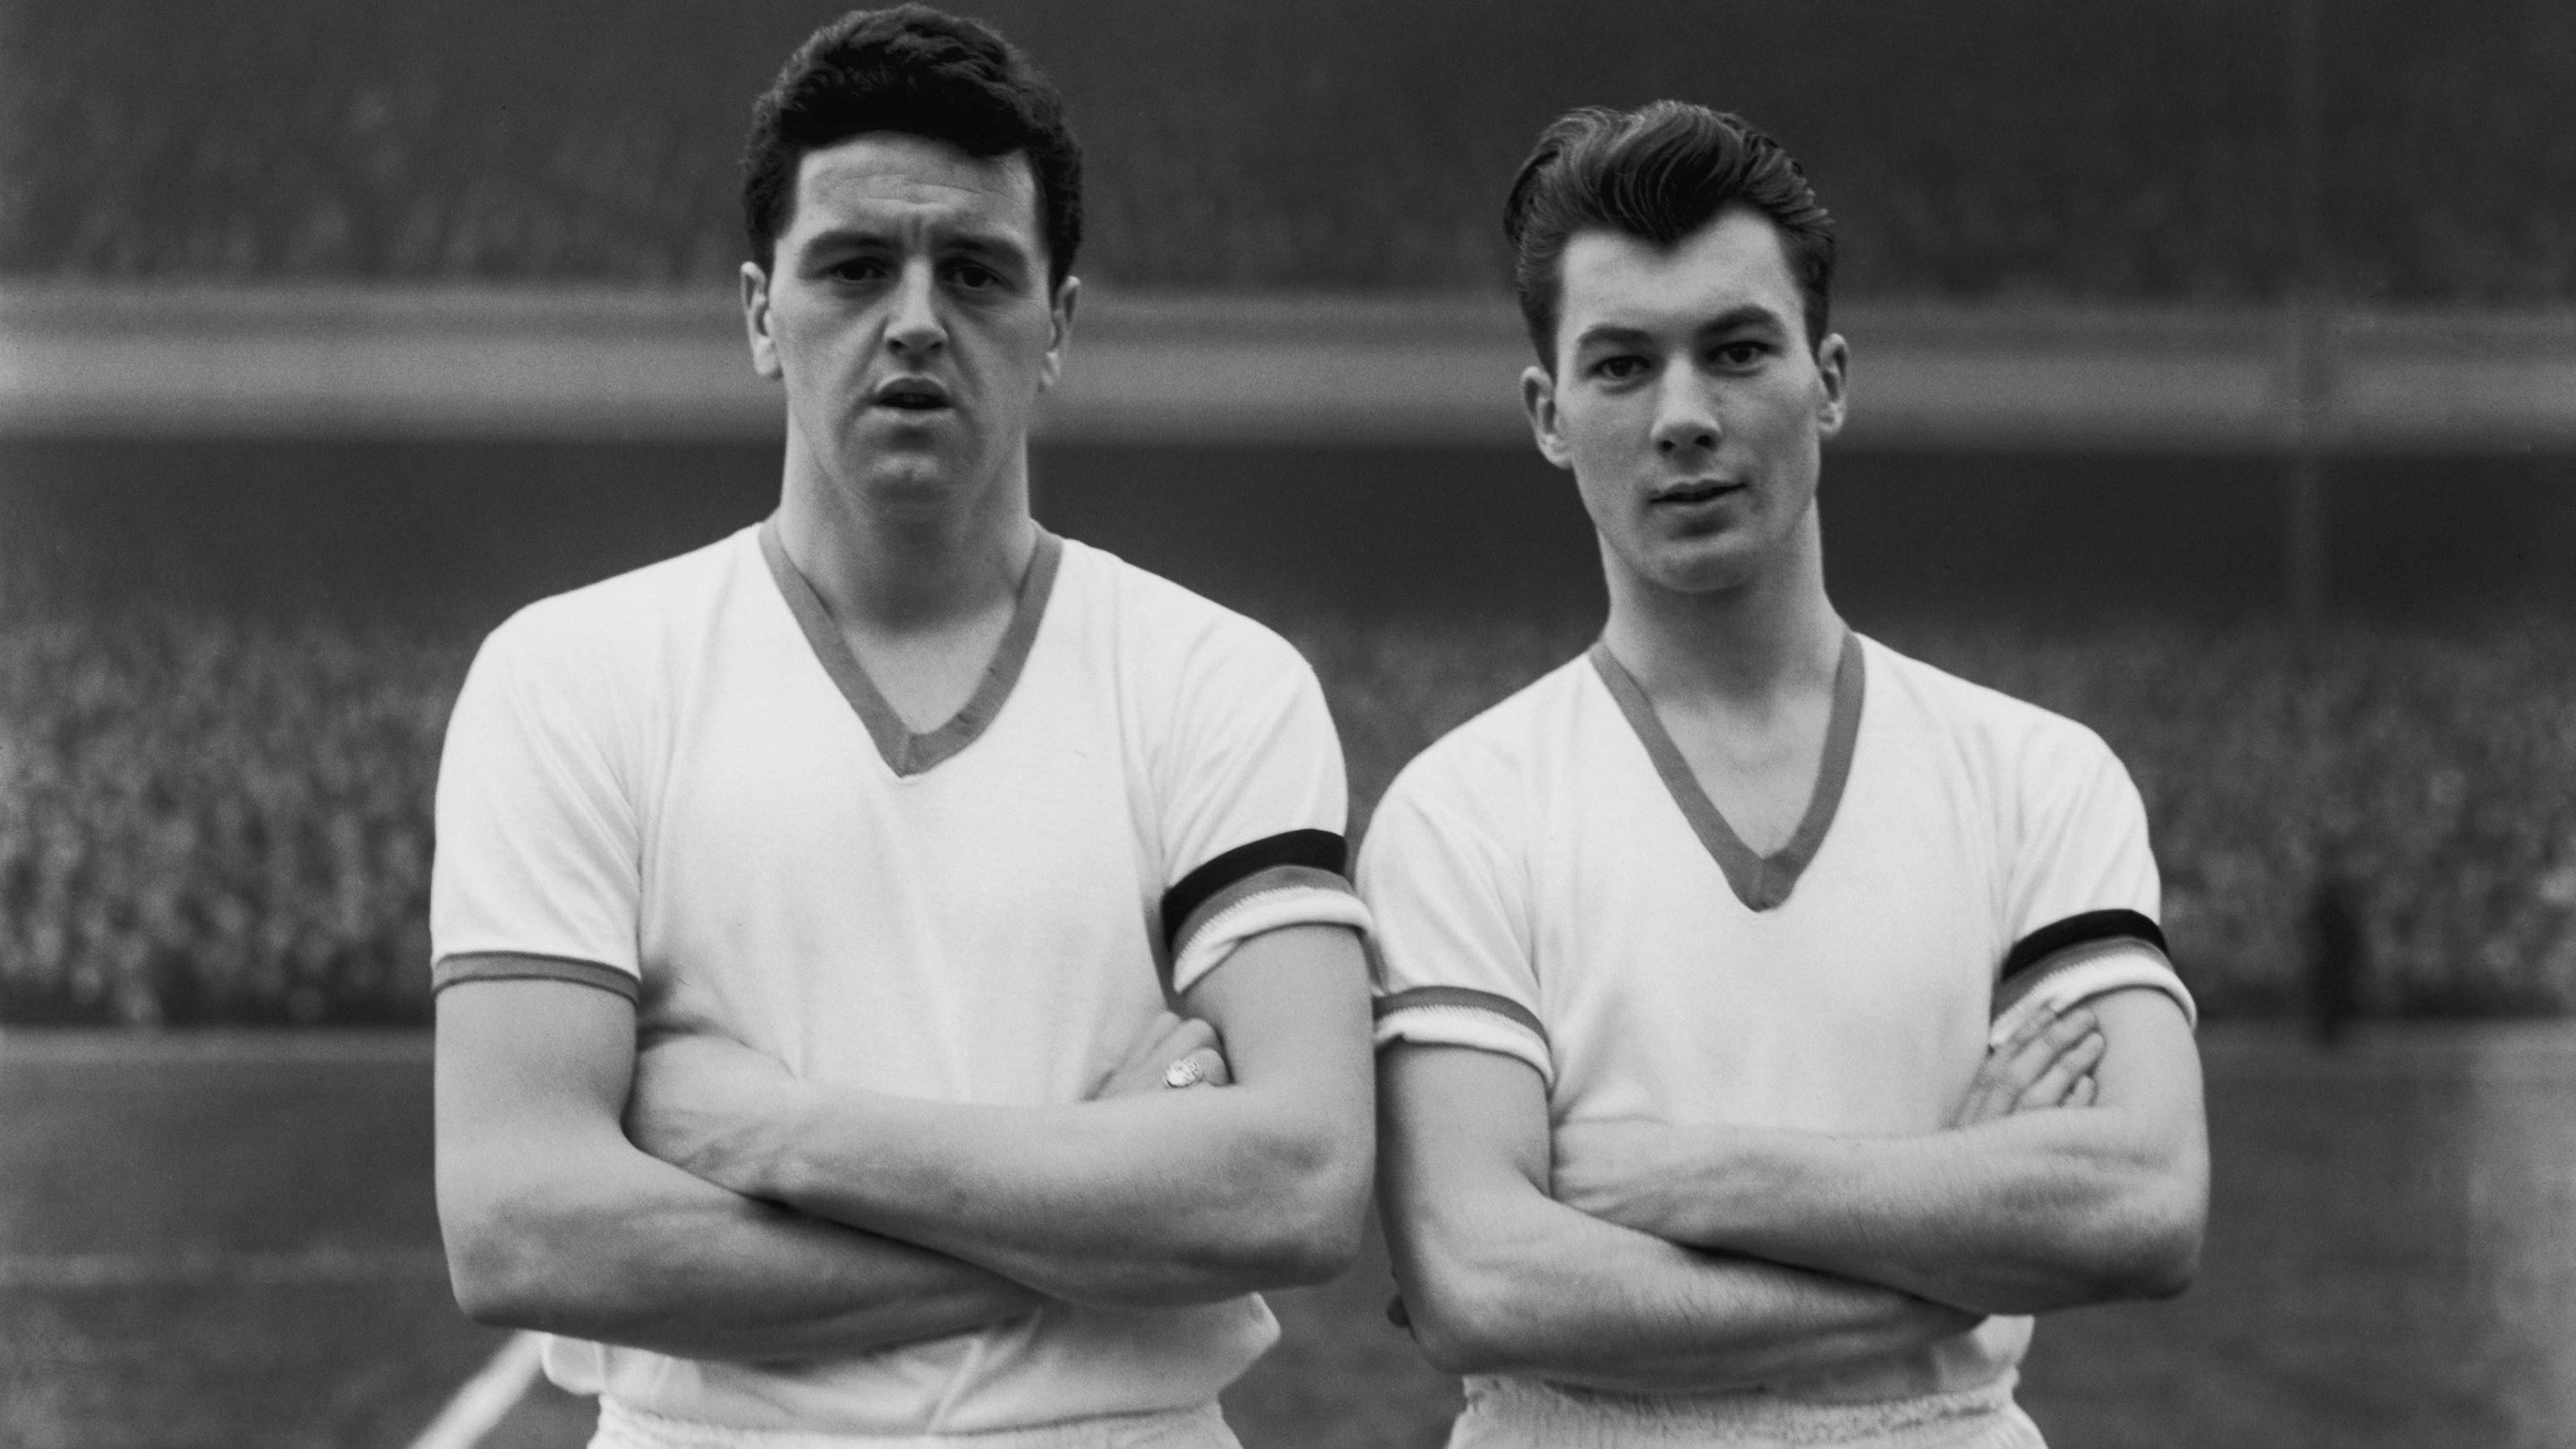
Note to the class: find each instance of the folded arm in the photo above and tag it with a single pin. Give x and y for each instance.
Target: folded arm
(1499, 1278)
(1155, 1197)
(2017, 1213)
(554, 1221)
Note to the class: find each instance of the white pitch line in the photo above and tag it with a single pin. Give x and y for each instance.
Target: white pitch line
(485, 1398)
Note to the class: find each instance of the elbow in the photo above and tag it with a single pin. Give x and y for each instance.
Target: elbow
(513, 1265)
(1301, 1224)
(2161, 1252)
(1318, 1246)
(1467, 1310)
(2147, 1245)
(1463, 1327)
(494, 1279)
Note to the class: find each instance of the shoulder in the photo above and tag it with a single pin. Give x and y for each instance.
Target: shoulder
(2016, 740)
(601, 649)
(1172, 635)
(1491, 771)
(601, 628)
(628, 609)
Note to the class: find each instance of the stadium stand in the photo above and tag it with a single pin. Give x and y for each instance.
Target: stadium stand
(2012, 149)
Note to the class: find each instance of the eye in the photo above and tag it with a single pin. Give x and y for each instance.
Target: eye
(1740, 354)
(856, 269)
(1620, 367)
(974, 277)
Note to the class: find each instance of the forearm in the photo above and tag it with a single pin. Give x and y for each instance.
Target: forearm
(1552, 1293)
(2022, 1213)
(622, 1249)
(1144, 1197)
(2019, 1215)
(1176, 1197)
(554, 1220)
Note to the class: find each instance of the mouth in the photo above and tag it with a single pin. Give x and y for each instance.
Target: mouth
(1694, 490)
(911, 395)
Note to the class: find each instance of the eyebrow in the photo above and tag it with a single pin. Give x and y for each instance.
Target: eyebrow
(979, 241)
(1736, 318)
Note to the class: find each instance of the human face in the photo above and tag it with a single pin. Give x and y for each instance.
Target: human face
(908, 313)
(1687, 403)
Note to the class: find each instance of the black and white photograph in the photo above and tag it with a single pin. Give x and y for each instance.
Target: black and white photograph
(1214, 724)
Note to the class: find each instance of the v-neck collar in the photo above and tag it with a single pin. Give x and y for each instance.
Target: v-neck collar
(1759, 881)
(907, 753)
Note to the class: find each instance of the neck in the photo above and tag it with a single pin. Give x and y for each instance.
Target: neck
(898, 566)
(1741, 646)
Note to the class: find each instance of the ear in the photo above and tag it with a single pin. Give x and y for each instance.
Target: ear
(756, 322)
(1833, 374)
(1538, 399)
(1059, 331)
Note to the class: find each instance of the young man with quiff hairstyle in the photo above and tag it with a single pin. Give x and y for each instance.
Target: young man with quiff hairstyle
(896, 981)
(1769, 1023)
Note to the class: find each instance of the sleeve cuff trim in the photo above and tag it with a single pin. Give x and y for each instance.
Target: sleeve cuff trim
(1472, 1027)
(514, 966)
(2082, 973)
(1283, 904)
(1466, 998)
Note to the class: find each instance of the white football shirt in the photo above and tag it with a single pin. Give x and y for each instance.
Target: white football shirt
(678, 784)
(1550, 883)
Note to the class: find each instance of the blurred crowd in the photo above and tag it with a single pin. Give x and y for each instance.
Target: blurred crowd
(2120, 150)
(226, 817)
(217, 818)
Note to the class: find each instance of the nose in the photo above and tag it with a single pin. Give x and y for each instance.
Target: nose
(1684, 420)
(913, 328)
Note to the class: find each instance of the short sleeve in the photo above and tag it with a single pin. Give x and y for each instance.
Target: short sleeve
(537, 871)
(2083, 896)
(1453, 960)
(1253, 800)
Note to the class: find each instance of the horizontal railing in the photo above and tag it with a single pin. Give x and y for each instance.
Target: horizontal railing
(79, 360)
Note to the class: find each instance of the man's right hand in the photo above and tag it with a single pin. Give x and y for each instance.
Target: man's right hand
(2048, 1063)
(1170, 1044)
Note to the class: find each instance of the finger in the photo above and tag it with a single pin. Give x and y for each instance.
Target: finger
(2087, 1091)
(2052, 1085)
(1984, 1100)
(1202, 1067)
(2009, 1071)
(2036, 1053)
(2032, 1025)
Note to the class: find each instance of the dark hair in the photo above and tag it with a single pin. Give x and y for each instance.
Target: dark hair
(1660, 173)
(924, 73)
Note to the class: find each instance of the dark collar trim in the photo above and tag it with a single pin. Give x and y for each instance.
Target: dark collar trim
(904, 752)
(1759, 881)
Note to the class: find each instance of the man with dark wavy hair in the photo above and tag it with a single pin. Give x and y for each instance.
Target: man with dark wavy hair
(896, 979)
(1769, 1022)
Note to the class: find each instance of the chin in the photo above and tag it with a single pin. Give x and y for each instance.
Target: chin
(1701, 571)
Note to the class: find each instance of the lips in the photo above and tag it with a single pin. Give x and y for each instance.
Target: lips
(911, 394)
(1695, 490)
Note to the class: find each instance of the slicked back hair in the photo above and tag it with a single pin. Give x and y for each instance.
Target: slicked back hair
(1659, 173)
(921, 72)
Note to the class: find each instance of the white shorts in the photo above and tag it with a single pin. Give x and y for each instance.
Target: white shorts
(1200, 1428)
(1507, 1413)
